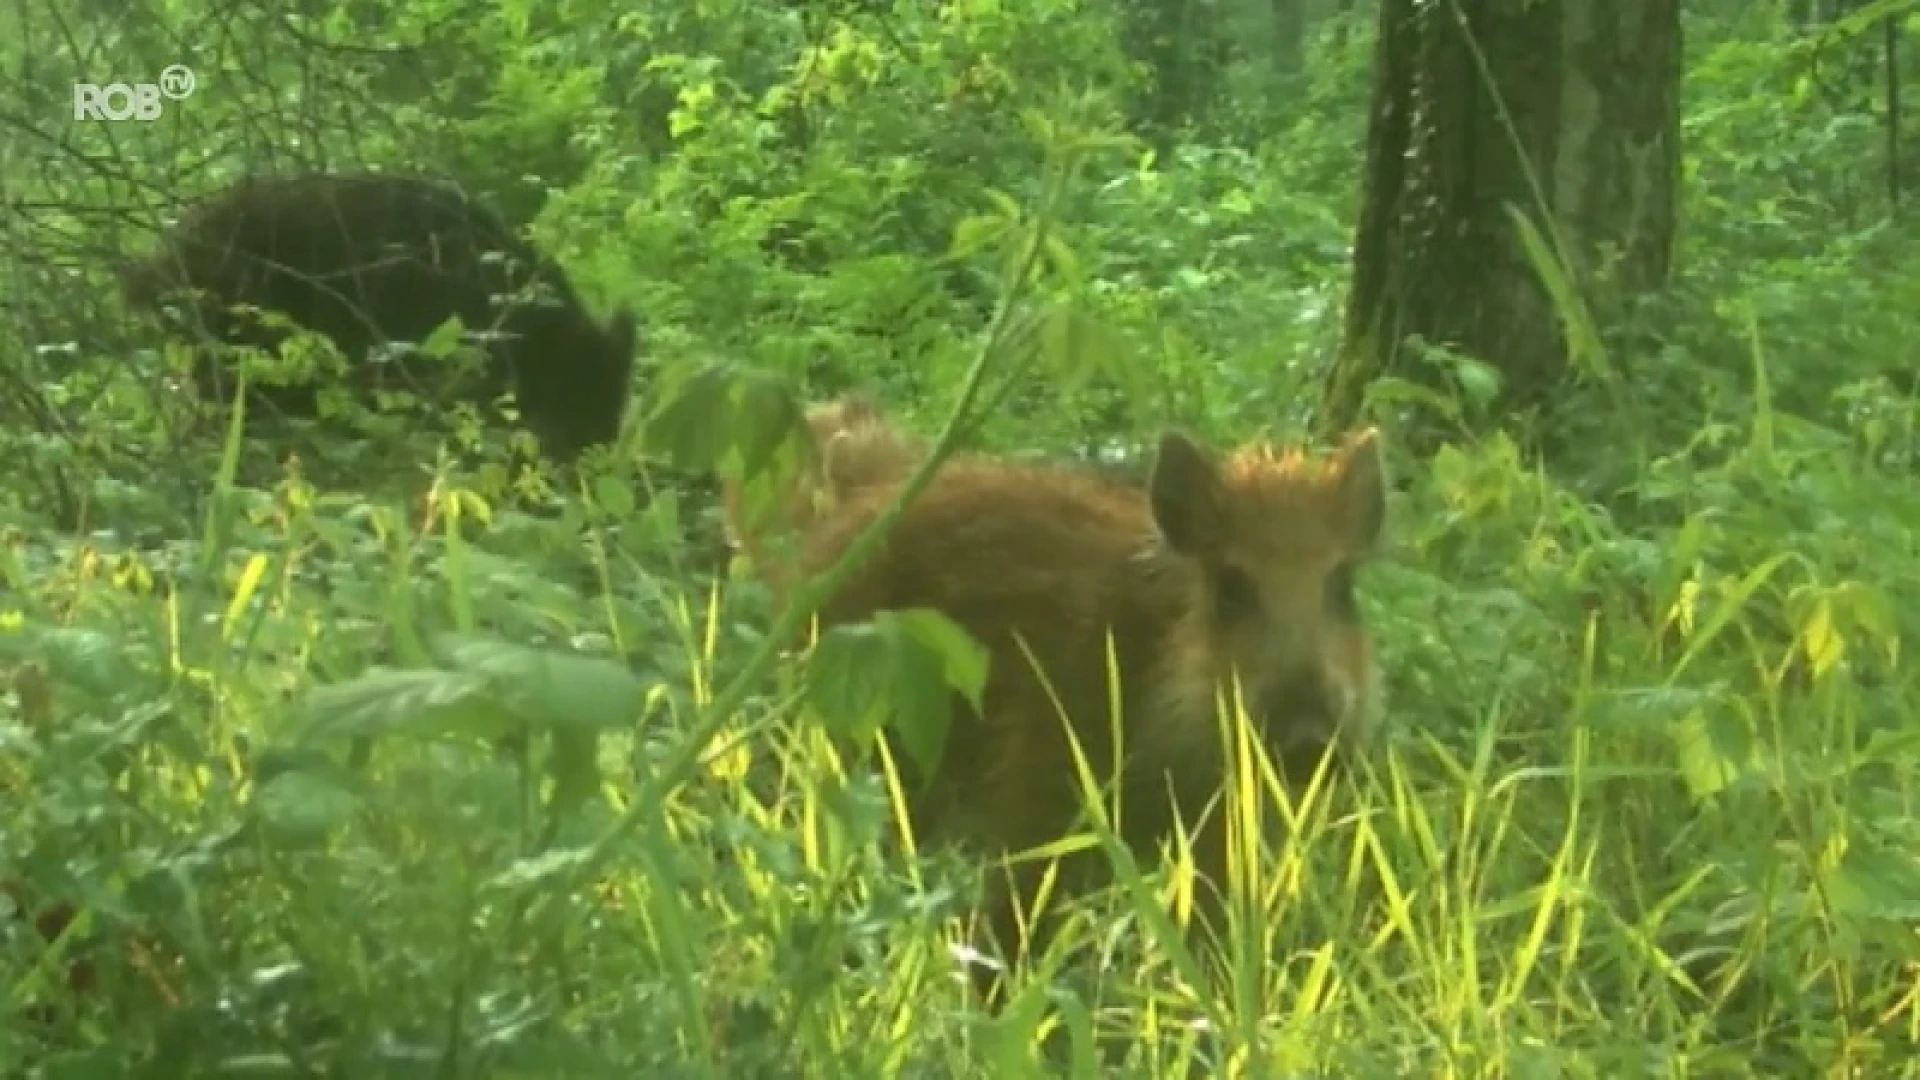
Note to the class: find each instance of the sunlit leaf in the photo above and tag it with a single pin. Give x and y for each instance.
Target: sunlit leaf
(1712, 752)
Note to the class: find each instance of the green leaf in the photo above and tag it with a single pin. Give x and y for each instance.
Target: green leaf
(848, 678)
(1004, 204)
(88, 660)
(614, 495)
(548, 689)
(573, 763)
(1479, 382)
(767, 416)
(414, 703)
(720, 411)
(303, 806)
(976, 234)
(682, 425)
(1076, 345)
(963, 660)
(556, 866)
(923, 713)
(1061, 258)
(445, 338)
(901, 669)
(1712, 752)
(1876, 883)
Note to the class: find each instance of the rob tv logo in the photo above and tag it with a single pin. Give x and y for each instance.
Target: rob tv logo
(131, 101)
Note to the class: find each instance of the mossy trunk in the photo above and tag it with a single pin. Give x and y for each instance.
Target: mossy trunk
(1562, 111)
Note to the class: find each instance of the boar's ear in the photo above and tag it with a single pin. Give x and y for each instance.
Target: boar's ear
(140, 281)
(829, 420)
(858, 407)
(1189, 501)
(623, 330)
(1361, 490)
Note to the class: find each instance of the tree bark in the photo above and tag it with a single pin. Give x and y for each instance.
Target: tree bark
(1561, 110)
(1185, 45)
(1289, 36)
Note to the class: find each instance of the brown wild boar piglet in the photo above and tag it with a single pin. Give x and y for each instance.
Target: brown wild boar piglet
(854, 444)
(1221, 566)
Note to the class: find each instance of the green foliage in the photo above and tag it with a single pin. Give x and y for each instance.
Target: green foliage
(907, 660)
(397, 759)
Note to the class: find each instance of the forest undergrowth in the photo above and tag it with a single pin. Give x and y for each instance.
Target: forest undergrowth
(459, 775)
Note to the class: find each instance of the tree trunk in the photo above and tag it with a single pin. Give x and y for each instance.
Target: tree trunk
(1185, 45)
(1343, 20)
(1289, 37)
(1563, 111)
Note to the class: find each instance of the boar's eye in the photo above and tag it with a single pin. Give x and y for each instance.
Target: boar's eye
(1235, 596)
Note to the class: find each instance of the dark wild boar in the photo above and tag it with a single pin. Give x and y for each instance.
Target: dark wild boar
(369, 258)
